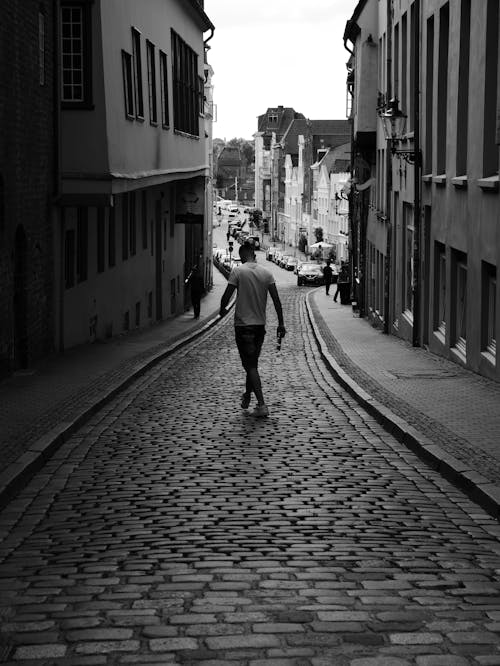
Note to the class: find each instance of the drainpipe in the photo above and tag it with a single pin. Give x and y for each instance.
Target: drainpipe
(388, 184)
(416, 182)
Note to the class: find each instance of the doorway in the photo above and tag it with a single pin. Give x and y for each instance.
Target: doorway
(158, 262)
(20, 299)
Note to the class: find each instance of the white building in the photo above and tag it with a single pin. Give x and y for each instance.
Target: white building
(132, 211)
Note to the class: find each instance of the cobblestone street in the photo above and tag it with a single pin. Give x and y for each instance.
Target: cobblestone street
(175, 528)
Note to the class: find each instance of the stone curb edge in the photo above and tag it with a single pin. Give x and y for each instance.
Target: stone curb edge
(16, 475)
(479, 489)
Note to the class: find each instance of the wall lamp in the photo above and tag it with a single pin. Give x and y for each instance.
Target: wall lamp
(394, 125)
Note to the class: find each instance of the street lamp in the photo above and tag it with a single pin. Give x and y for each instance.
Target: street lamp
(394, 125)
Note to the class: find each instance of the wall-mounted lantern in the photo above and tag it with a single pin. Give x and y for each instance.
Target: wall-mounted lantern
(394, 126)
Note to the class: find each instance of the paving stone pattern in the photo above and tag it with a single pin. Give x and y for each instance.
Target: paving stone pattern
(175, 528)
(470, 449)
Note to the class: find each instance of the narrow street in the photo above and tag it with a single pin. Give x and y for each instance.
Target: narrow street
(175, 528)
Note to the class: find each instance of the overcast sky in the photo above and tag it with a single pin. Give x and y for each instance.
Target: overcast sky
(277, 52)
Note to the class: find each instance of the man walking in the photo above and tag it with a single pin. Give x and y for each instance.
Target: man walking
(328, 274)
(253, 282)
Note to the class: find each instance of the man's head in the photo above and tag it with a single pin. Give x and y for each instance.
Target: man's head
(247, 252)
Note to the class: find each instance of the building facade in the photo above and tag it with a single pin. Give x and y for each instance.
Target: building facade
(28, 181)
(428, 218)
(132, 211)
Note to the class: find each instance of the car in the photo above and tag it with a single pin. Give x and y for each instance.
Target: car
(270, 252)
(233, 209)
(277, 256)
(283, 259)
(309, 274)
(291, 263)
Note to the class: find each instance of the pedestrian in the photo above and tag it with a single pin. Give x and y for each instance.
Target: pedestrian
(327, 275)
(252, 282)
(195, 281)
(342, 285)
(228, 235)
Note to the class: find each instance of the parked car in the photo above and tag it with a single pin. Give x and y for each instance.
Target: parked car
(309, 274)
(277, 256)
(283, 259)
(270, 253)
(291, 263)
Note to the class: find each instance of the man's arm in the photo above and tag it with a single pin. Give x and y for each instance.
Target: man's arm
(226, 297)
(279, 310)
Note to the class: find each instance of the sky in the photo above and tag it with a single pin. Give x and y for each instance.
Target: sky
(267, 53)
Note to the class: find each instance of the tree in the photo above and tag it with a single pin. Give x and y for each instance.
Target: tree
(318, 233)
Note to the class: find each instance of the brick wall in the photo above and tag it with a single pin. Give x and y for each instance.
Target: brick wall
(27, 152)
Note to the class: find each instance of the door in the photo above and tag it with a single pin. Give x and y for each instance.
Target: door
(158, 262)
(20, 300)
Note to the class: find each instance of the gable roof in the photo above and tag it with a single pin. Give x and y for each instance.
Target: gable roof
(285, 116)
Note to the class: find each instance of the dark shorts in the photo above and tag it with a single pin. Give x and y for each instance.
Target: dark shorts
(249, 341)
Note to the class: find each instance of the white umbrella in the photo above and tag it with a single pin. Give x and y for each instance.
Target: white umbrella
(321, 245)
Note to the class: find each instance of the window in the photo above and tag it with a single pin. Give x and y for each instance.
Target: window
(490, 147)
(153, 107)
(429, 94)
(82, 244)
(128, 84)
(463, 89)
(69, 259)
(489, 297)
(404, 62)
(459, 286)
(125, 238)
(132, 224)
(144, 219)
(440, 288)
(100, 239)
(201, 96)
(165, 120)
(137, 62)
(185, 85)
(75, 55)
(442, 101)
(272, 119)
(111, 238)
(41, 48)
(408, 231)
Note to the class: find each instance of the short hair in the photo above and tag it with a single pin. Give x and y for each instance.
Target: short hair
(247, 250)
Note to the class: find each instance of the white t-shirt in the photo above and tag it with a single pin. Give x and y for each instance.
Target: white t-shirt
(252, 282)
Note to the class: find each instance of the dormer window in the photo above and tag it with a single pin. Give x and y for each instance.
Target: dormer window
(272, 119)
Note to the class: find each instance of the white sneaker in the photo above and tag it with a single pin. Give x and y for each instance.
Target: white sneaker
(261, 410)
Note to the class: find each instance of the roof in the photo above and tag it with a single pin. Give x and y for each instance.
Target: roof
(206, 23)
(229, 156)
(351, 27)
(285, 116)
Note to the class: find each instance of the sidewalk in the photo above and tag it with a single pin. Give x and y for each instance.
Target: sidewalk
(42, 407)
(447, 415)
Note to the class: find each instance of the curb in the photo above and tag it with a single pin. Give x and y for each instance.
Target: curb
(14, 477)
(479, 489)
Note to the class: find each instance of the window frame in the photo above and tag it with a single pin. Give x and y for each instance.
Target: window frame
(128, 84)
(152, 88)
(164, 96)
(86, 54)
(137, 71)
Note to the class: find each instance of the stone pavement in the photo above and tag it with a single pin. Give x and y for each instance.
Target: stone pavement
(174, 528)
(448, 415)
(41, 408)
